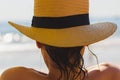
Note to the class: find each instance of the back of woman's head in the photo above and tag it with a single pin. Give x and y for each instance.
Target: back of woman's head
(68, 60)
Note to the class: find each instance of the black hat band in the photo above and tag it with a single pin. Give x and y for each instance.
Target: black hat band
(60, 22)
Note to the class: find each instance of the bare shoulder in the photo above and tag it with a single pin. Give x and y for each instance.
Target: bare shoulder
(105, 71)
(22, 73)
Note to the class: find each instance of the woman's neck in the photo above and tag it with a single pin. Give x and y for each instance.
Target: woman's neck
(55, 74)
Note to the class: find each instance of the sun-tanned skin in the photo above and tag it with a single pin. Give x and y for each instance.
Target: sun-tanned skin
(107, 71)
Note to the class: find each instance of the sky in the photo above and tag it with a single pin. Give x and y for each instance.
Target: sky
(23, 9)
(105, 7)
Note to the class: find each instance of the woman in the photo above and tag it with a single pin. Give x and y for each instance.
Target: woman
(64, 64)
(62, 30)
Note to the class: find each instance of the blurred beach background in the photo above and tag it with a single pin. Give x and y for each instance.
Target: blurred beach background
(18, 50)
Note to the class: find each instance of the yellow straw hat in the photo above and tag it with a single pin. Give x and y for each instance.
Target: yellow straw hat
(64, 23)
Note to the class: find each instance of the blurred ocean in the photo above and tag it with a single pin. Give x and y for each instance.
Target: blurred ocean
(18, 50)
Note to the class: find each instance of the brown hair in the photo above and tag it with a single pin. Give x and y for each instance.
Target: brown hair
(62, 57)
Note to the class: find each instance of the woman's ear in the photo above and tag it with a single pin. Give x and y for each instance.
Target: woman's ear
(82, 51)
(38, 44)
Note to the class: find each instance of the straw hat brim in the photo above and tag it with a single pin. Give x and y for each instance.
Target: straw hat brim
(69, 37)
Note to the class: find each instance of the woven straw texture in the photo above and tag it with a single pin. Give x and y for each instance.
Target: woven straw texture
(57, 8)
(67, 37)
